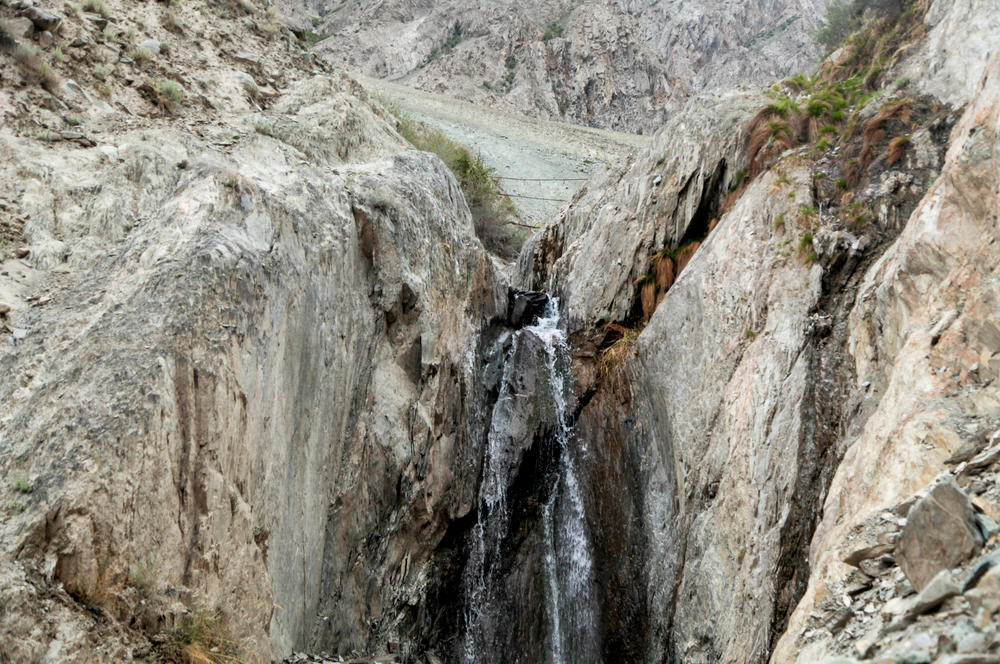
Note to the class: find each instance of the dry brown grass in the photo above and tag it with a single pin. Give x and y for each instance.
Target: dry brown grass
(611, 360)
(772, 131)
(647, 294)
(897, 147)
(203, 638)
(685, 254)
(34, 68)
(664, 271)
(874, 129)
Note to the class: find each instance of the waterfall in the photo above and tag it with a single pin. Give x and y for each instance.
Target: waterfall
(570, 632)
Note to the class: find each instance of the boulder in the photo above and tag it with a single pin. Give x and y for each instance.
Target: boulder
(43, 20)
(940, 533)
(525, 307)
(20, 28)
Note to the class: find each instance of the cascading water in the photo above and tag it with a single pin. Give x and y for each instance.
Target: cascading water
(570, 633)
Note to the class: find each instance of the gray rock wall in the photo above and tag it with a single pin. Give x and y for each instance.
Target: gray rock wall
(266, 394)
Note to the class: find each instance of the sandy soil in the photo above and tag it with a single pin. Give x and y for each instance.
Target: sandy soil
(537, 159)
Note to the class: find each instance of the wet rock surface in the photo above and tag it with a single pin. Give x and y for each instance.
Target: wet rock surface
(757, 493)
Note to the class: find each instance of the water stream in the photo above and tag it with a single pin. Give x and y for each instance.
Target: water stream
(571, 633)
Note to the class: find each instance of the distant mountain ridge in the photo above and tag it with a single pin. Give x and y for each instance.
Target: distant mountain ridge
(616, 64)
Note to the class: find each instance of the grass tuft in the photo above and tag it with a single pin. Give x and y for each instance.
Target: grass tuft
(202, 637)
(612, 358)
(170, 91)
(96, 7)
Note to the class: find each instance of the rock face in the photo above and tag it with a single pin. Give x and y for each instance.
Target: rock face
(249, 394)
(273, 380)
(936, 354)
(666, 196)
(950, 60)
(713, 46)
(622, 65)
(775, 399)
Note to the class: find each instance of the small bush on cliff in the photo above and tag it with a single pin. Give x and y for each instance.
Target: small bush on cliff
(202, 638)
(493, 214)
(34, 68)
(554, 29)
(170, 91)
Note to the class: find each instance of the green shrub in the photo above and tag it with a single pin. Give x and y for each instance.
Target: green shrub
(806, 251)
(141, 56)
(34, 68)
(314, 37)
(494, 215)
(171, 91)
(554, 29)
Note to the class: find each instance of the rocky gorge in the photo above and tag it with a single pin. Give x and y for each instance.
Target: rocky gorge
(267, 394)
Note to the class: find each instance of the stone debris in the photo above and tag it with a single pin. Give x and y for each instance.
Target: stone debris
(306, 658)
(43, 20)
(954, 616)
(937, 591)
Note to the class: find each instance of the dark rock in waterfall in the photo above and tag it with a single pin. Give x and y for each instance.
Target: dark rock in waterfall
(525, 307)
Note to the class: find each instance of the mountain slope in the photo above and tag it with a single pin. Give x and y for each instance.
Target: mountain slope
(621, 65)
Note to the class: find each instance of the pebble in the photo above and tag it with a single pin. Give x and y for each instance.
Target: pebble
(151, 45)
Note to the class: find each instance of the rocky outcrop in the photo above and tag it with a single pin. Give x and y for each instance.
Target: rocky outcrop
(715, 47)
(922, 339)
(612, 64)
(262, 386)
(263, 398)
(789, 383)
(591, 254)
(949, 62)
